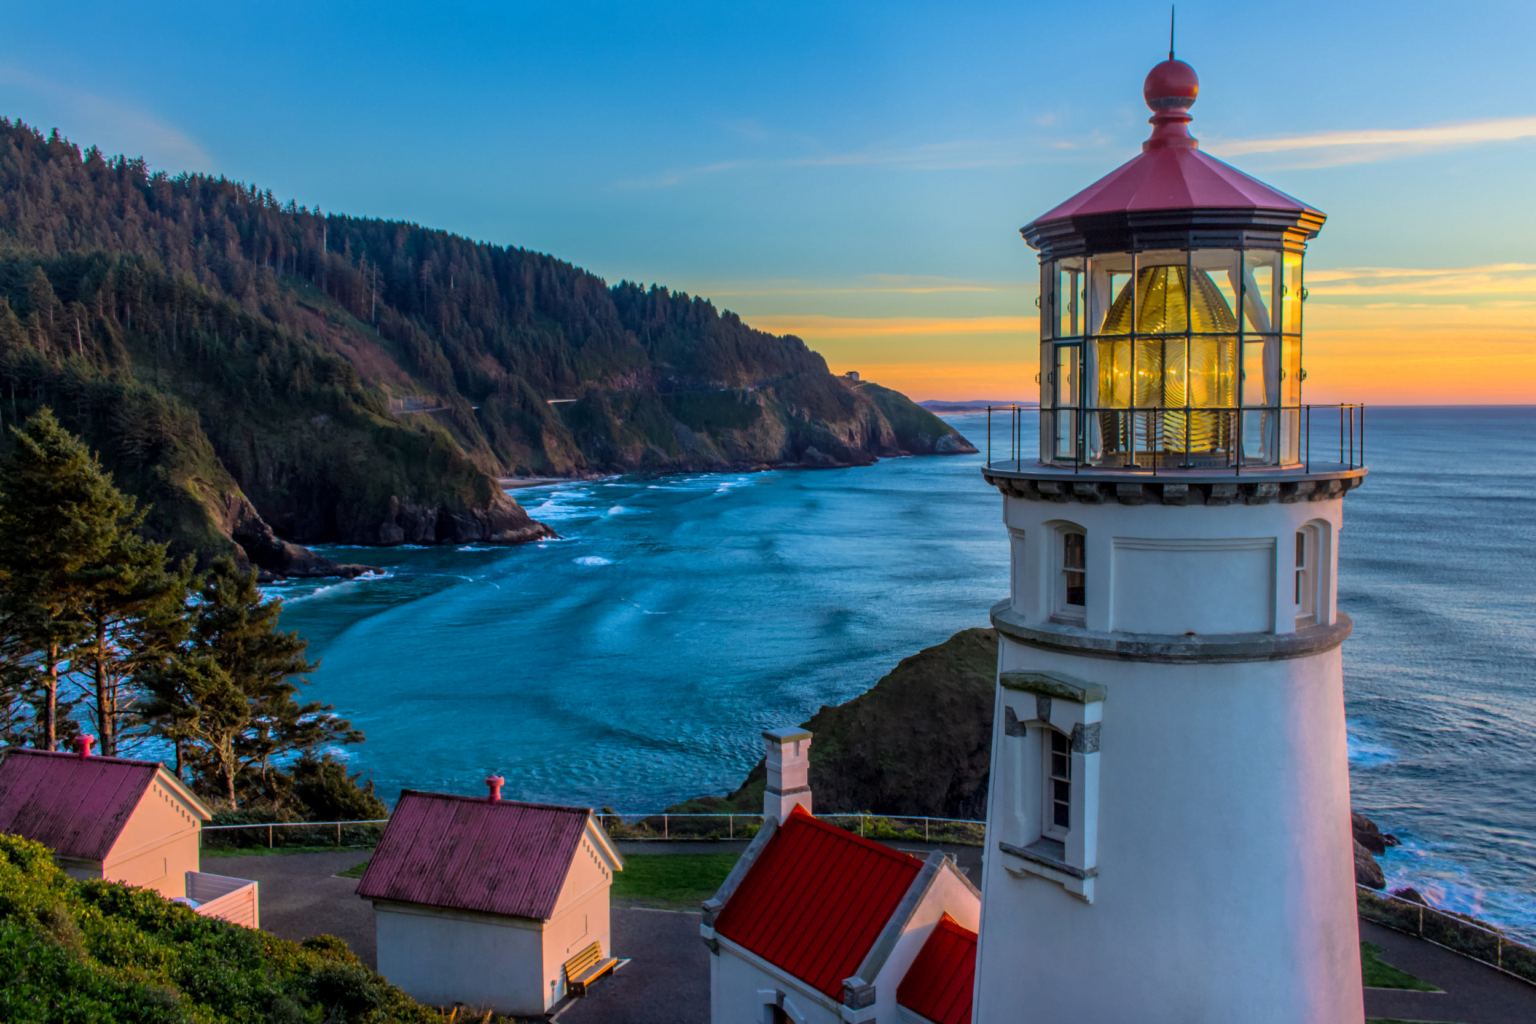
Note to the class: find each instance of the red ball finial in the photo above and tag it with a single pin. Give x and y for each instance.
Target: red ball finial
(1171, 84)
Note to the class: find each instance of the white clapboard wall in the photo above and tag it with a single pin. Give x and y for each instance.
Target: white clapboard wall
(229, 899)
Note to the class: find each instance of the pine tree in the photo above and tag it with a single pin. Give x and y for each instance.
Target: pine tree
(62, 542)
(229, 691)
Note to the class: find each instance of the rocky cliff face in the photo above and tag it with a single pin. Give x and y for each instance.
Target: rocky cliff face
(500, 521)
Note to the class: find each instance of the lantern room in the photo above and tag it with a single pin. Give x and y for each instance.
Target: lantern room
(1171, 297)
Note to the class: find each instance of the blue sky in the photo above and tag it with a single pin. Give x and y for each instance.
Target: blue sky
(855, 173)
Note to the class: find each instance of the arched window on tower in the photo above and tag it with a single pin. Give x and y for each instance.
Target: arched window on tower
(1311, 592)
(1071, 597)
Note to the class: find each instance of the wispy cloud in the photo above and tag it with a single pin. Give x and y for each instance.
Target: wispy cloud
(956, 154)
(1499, 279)
(870, 284)
(1371, 145)
(88, 118)
(815, 326)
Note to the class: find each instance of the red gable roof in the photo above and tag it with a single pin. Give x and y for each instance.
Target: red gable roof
(815, 901)
(77, 806)
(939, 983)
(467, 853)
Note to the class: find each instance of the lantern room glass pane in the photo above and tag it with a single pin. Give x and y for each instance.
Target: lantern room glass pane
(1067, 381)
(1069, 294)
(1109, 278)
(1047, 302)
(1223, 268)
(1213, 371)
(1047, 390)
(1112, 376)
(1290, 371)
(1261, 279)
(1290, 294)
(1259, 385)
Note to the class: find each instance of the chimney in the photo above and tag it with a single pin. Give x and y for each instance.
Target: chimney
(789, 761)
(83, 745)
(495, 782)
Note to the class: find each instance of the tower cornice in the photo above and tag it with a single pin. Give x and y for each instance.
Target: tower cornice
(1039, 482)
(1169, 648)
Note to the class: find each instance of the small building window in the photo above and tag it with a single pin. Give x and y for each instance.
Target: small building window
(1058, 782)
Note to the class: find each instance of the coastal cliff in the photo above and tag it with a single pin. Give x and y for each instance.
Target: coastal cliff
(918, 743)
(237, 361)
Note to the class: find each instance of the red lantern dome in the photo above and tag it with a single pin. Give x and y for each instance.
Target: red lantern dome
(1171, 190)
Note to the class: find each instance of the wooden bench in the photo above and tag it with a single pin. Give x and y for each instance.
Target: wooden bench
(586, 967)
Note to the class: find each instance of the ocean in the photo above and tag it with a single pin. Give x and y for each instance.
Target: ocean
(634, 662)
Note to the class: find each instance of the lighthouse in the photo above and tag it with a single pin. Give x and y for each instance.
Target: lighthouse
(1168, 819)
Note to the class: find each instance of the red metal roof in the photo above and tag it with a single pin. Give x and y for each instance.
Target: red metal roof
(1173, 178)
(75, 805)
(939, 983)
(1171, 173)
(467, 853)
(815, 901)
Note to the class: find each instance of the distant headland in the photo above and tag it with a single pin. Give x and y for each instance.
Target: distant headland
(265, 376)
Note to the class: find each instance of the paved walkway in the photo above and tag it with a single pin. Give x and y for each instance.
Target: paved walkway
(1474, 993)
(666, 982)
(301, 897)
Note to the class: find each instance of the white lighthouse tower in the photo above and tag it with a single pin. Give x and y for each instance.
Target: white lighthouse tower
(1168, 825)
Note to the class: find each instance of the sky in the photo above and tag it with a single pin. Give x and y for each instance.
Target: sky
(857, 173)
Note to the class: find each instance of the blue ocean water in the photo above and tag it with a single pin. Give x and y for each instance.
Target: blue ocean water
(634, 662)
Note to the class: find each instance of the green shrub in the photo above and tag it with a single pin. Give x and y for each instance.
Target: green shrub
(98, 951)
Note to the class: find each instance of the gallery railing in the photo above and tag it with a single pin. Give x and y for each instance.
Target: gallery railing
(1472, 939)
(1153, 438)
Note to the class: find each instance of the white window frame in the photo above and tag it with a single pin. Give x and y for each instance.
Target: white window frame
(1311, 591)
(1061, 611)
(1036, 706)
(1050, 738)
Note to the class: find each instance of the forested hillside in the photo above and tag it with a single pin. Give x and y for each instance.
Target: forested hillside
(366, 380)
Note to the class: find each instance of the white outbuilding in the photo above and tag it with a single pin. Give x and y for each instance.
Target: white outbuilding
(493, 904)
(122, 820)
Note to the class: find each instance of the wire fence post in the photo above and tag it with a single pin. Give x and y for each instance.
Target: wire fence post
(269, 837)
(664, 833)
(338, 833)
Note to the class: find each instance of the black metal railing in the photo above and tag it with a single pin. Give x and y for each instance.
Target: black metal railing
(1150, 439)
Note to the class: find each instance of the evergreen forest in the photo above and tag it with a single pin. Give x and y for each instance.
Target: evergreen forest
(259, 375)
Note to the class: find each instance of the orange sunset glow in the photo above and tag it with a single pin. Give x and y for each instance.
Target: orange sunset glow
(1399, 336)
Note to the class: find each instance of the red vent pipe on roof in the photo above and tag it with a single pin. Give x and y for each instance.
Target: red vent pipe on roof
(83, 745)
(495, 782)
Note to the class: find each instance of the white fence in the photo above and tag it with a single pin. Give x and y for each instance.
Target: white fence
(632, 826)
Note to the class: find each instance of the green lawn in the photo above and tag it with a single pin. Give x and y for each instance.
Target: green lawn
(1380, 974)
(217, 852)
(355, 871)
(674, 881)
